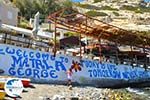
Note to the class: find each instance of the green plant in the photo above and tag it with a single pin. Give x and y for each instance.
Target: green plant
(23, 23)
(108, 8)
(138, 9)
(70, 34)
(96, 1)
(116, 13)
(88, 6)
(131, 8)
(95, 13)
(83, 5)
(28, 8)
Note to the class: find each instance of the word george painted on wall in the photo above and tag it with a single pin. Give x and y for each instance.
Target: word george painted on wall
(33, 64)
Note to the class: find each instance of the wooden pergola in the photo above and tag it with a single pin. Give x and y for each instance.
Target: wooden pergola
(72, 20)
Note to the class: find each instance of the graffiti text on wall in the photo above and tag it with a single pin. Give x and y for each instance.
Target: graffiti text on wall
(105, 70)
(29, 63)
(34, 64)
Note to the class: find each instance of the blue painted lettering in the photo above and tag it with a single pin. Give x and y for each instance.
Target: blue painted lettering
(47, 66)
(12, 71)
(35, 73)
(10, 51)
(25, 54)
(52, 57)
(38, 55)
(59, 65)
(2, 52)
(38, 64)
(31, 54)
(62, 59)
(66, 60)
(95, 73)
(32, 63)
(16, 61)
(45, 56)
(19, 52)
(103, 66)
(28, 72)
(44, 73)
(52, 74)
(90, 72)
(25, 63)
(20, 72)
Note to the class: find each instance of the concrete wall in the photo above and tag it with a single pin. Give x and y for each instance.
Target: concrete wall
(37, 65)
(8, 14)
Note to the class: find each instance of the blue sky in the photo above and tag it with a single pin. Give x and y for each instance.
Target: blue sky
(83, 0)
(77, 0)
(147, 0)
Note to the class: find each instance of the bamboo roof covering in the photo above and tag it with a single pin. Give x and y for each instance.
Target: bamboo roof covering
(72, 20)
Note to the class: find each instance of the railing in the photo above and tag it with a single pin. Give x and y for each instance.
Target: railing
(24, 42)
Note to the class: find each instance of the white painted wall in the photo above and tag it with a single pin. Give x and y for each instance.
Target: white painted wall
(39, 65)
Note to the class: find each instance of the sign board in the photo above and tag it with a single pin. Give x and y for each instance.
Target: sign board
(13, 87)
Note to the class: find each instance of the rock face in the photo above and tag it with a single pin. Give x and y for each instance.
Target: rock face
(122, 12)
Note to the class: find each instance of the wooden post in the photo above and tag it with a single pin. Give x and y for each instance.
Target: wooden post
(80, 43)
(117, 57)
(80, 46)
(136, 62)
(5, 38)
(49, 31)
(100, 50)
(145, 59)
(86, 36)
(55, 38)
(131, 55)
(49, 26)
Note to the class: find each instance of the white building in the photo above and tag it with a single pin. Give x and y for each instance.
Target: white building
(8, 13)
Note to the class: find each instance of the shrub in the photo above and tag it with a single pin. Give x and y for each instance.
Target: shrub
(131, 8)
(116, 13)
(108, 8)
(70, 34)
(96, 1)
(23, 23)
(95, 13)
(137, 9)
(88, 6)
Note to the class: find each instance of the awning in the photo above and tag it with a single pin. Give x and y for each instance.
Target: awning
(71, 20)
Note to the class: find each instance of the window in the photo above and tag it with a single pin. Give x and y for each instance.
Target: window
(10, 15)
